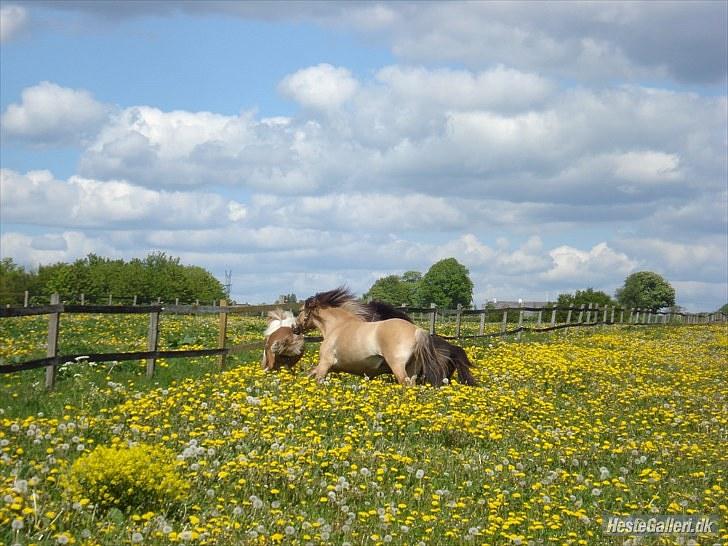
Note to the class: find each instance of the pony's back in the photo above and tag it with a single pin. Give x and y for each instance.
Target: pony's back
(279, 318)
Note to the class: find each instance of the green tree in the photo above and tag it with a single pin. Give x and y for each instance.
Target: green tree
(724, 309)
(411, 277)
(447, 283)
(646, 290)
(156, 276)
(391, 289)
(585, 296)
(14, 281)
(582, 297)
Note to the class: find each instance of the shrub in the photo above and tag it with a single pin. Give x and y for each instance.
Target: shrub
(137, 477)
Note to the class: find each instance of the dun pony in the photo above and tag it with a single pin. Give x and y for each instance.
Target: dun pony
(353, 345)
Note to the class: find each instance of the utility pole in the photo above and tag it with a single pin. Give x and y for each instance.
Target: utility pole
(228, 283)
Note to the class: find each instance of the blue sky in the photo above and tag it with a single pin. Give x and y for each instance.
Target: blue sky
(547, 146)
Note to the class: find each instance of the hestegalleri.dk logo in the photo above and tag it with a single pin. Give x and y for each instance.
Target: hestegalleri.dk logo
(660, 524)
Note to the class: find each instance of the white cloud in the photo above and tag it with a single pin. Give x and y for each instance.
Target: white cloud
(699, 260)
(404, 130)
(13, 19)
(321, 87)
(51, 114)
(500, 88)
(600, 263)
(362, 211)
(37, 198)
(701, 296)
(705, 213)
(602, 41)
(183, 149)
(67, 246)
(598, 41)
(647, 167)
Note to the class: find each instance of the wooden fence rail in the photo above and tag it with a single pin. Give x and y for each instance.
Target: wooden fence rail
(595, 316)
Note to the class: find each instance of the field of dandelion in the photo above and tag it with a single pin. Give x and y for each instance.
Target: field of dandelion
(563, 428)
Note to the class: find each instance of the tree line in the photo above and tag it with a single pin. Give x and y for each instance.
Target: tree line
(156, 276)
(447, 283)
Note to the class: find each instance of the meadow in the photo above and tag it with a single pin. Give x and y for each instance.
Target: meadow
(564, 428)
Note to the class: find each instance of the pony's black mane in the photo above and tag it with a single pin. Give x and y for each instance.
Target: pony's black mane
(379, 310)
(338, 297)
(332, 298)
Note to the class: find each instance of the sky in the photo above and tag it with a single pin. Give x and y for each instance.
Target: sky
(547, 146)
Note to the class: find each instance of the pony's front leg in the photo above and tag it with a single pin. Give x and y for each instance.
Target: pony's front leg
(327, 359)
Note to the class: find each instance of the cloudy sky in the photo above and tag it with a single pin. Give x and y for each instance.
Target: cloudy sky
(547, 146)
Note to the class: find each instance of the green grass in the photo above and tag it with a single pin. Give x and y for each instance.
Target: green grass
(564, 428)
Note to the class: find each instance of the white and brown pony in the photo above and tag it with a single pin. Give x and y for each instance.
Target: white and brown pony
(353, 345)
(283, 347)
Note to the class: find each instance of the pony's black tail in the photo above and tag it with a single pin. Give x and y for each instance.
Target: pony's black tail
(457, 361)
(429, 363)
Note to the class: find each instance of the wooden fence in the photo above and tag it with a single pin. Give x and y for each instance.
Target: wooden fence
(584, 316)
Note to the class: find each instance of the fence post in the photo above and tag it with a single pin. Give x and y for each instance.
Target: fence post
(581, 312)
(458, 319)
(176, 301)
(433, 317)
(568, 316)
(540, 316)
(109, 298)
(152, 339)
(553, 317)
(83, 298)
(25, 299)
(520, 322)
(604, 319)
(54, 320)
(504, 324)
(481, 328)
(611, 320)
(135, 300)
(222, 333)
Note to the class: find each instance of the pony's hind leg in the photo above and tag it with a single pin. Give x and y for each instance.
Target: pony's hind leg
(398, 365)
(400, 372)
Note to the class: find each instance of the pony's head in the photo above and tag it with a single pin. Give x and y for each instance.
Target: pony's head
(307, 315)
(339, 297)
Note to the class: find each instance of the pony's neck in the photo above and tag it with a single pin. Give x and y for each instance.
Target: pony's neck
(331, 316)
